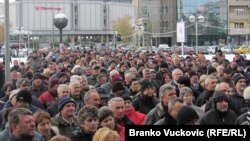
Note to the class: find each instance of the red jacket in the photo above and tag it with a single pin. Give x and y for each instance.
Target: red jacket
(46, 98)
(121, 130)
(137, 117)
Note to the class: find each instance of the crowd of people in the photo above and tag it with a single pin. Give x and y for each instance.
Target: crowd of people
(91, 95)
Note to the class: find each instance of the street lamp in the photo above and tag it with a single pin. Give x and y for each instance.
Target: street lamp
(114, 37)
(195, 20)
(139, 29)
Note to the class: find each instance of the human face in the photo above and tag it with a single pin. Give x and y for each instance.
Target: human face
(168, 95)
(135, 86)
(108, 122)
(90, 124)
(241, 85)
(188, 98)
(44, 127)
(68, 110)
(63, 92)
(8, 91)
(94, 99)
(211, 84)
(118, 108)
(149, 92)
(128, 105)
(38, 82)
(26, 126)
(222, 106)
(75, 90)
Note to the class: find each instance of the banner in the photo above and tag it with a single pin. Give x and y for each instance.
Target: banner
(180, 32)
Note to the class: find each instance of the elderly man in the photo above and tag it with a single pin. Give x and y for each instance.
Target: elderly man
(65, 121)
(92, 97)
(117, 106)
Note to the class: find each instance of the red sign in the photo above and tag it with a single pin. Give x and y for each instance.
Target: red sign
(41, 8)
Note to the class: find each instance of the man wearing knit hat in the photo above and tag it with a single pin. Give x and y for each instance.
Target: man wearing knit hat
(65, 119)
(48, 97)
(237, 99)
(38, 87)
(187, 116)
(145, 100)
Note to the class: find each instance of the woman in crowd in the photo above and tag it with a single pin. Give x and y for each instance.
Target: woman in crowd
(106, 134)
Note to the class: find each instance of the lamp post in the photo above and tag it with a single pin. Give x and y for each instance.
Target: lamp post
(60, 22)
(139, 29)
(195, 20)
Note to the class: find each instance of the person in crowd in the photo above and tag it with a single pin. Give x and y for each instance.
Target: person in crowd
(62, 90)
(167, 92)
(94, 73)
(162, 70)
(145, 100)
(107, 119)
(75, 93)
(21, 126)
(127, 78)
(7, 88)
(176, 73)
(170, 117)
(186, 94)
(50, 96)
(135, 116)
(134, 87)
(43, 125)
(220, 114)
(237, 98)
(114, 76)
(65, 121)
(210, 84)
(92, 97)
(60, 138)
(38, 87)
(106, 134)
(166, 78)
(117, 106)
(88, 120)
(187, 116)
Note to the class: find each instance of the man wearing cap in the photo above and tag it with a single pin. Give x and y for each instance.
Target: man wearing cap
(187, 116)
(94, 73)
(114, 76)
(145, 100)
(35, 62)
(237, 99)
(65, 120)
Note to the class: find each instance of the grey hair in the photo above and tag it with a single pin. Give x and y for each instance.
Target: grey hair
(185, 90)
(165, 87)
(114, 99)
(209, 78)
(87, 94)
(62, 86)
(21, 81)
(172, 102)
(75, 77)
(87, 111)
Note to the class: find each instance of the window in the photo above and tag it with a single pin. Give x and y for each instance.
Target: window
(238, 25)
(239, 11)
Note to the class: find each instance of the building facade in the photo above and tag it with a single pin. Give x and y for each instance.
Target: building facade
(159, 20)
(214, 30)
(239, 22)
(87, 19)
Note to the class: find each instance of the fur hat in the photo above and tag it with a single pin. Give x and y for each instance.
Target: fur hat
(185, 115)
(24, 95)
(104, 112)
(237, 77)
(64, 100)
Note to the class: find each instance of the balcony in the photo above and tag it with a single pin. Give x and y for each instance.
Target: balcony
(233, 16)
(239, 31)
(239, 3)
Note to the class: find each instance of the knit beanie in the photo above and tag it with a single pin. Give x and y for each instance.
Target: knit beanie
(146, 84)
(104, 112)
(237, 77)
(64, 100)
(118, 86)
(24, 95)
(163, 65)
(185, 115)
(37, 75)
(116, 78)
